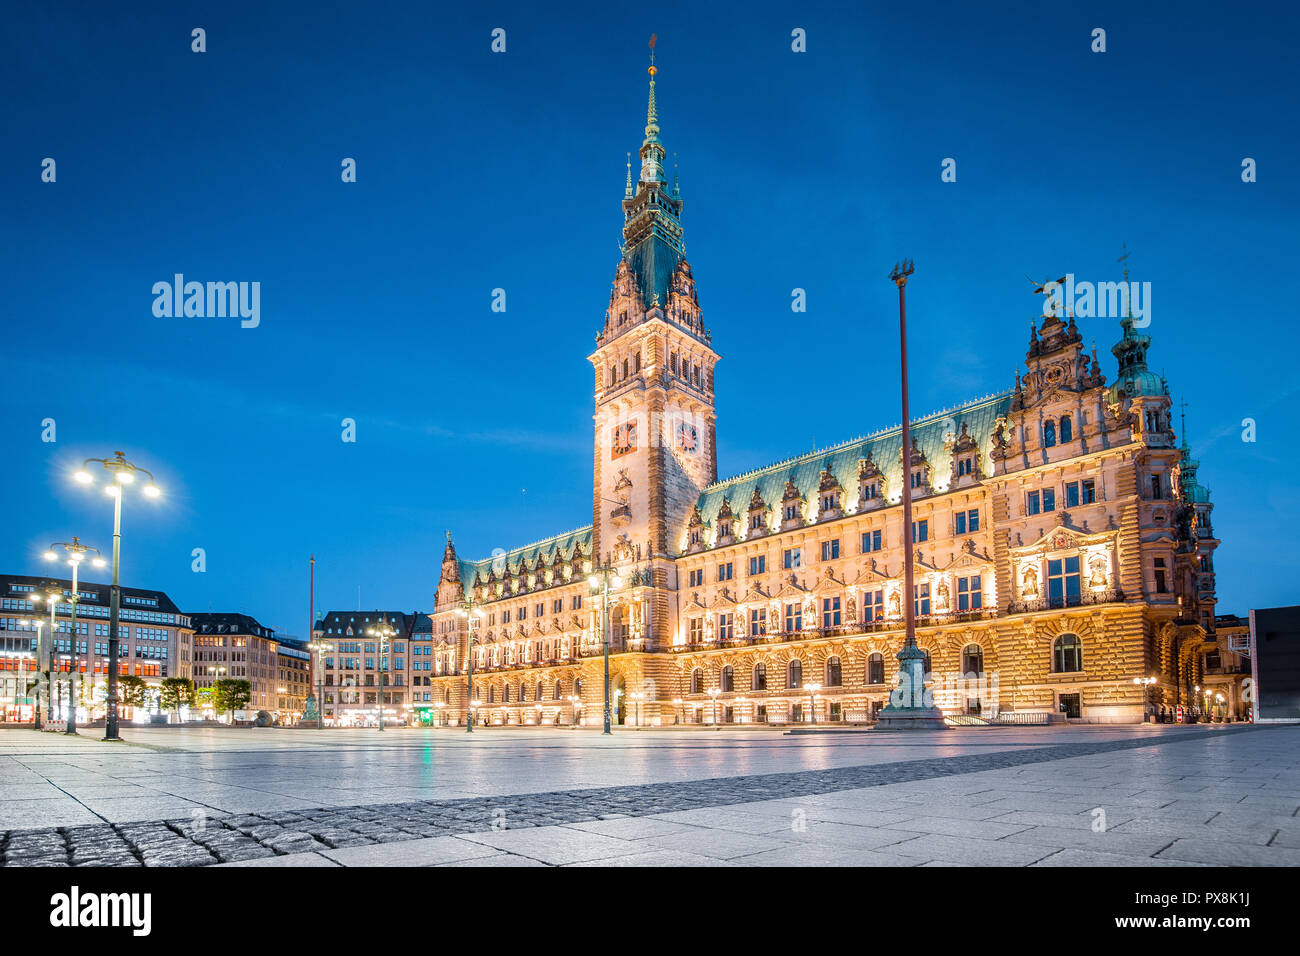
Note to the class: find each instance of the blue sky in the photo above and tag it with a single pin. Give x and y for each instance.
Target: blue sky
(479, 170)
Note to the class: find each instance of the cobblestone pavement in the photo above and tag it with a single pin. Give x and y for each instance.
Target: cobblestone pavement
(1198, 796)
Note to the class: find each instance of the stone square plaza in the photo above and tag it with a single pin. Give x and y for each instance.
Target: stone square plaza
(1081, 795)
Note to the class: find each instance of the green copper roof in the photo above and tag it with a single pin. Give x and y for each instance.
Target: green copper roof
(1134, 378)
(885, 448)
(547, 547)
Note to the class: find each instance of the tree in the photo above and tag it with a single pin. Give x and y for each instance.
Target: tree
(231, 694)
(176, 693)
(131, 690)
(203, 699)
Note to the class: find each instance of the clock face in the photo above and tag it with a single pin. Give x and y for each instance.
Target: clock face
(687, 439)
(624, 439)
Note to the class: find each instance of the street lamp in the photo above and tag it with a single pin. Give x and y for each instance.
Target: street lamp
(714, 692)
(576, 702)
(1145, 683)
(812, 696)
(677, 709)
(383, 632)
(601, 580)
(441, 715)
(471, 613)
(638, 696)
(121, 473)
(906, 709)
(76, 552)
(53, 595)
(320, 649)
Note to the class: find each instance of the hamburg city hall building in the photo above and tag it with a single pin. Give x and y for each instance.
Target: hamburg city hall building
(1063, 545)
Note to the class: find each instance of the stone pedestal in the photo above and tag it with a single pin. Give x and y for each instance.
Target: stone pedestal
(907, 709)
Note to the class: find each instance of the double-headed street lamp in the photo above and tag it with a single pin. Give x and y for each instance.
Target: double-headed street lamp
(469, 610)
(121, 473)
(714, 692)
(383, 632)
(602, 580)
(1145, 683)
(320, 649)
(638, 696)
(76, 552)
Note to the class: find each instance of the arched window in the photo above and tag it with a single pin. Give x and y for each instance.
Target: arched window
(1049, 434)
(876, 669)
(505, 694)
(794, 674)
(1067, 428)
(1067, 654)
(834, 672)
(556, 695)
(697, 681)
(972, 660)
(927, 666)
(523, 691)
(541, 692)
(492, 695)
(758, 681)
(728, 679)
(577, 687)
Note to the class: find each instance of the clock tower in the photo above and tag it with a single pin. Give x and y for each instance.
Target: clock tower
(654, 416)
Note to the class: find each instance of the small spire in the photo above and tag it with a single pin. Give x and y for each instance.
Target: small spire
(677, 189)
(629, 191)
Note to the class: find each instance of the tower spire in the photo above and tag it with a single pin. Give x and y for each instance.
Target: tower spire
(652, 108)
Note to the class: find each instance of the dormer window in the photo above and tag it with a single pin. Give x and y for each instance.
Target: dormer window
(918, 479)
(724, 529)
(830, 501)
(756, 521)
(697, 536)
(965, 466)
(871, 491)
(791, 512)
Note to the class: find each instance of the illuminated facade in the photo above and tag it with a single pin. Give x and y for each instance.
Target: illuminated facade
(1063, 543)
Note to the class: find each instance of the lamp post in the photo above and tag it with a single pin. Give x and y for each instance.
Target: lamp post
(383, 632)
(677, 709)
(471, 613)
(906, 709)
(320, 649)
(638, 696)
(52, 596)
(1145, 683)
(76, 552)
(714, 692)
(575, 702)
(121, 473)
(601, 580)
(812, 697)
(441, 713)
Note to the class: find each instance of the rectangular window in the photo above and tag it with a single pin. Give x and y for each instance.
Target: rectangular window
(921, 595)
(870, 541)
(793, 618)
(1156, 490)
(831, 612)
(830, 549)
(970, 596)
(757, 621)
(920, 531)
(725, 572)
(758, 565)
(1162, 585)
(1071, 494)
(873, 605)
(696, 630)
(726, 626)
(1087, 491)
(696, 577)
(1063, 581)
(1049, 499)
(576, 603)
(792, 558)
(1032, 505)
